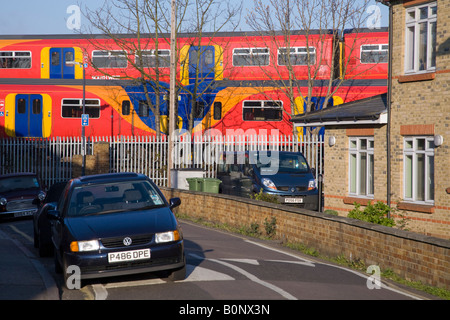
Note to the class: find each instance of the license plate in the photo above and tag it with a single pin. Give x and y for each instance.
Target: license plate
(129, 255)
(24, 213)
(293, 200)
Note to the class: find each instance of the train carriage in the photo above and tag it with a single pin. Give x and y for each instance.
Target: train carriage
(236, 80)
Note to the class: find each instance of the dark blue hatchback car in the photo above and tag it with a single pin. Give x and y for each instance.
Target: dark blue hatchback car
(285, 175)
(116, 224)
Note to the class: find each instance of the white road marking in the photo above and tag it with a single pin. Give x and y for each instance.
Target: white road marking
(22, 233)
(196, 273)
(248, 261)
(293, 262)
(251, 277)
(311, 263)
(100, 292)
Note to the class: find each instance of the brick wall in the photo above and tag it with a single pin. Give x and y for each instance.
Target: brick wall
(421, 106)
(413, 256)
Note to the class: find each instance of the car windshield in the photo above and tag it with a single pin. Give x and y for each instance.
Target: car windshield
(105, 198)
(18, 183)
(285, 163)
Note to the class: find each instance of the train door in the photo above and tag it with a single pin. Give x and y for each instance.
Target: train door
(28, 115)
(201, 60)
(59, 69)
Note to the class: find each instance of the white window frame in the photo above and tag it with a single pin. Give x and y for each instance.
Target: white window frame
(263, 105)
(356, 149)
(298, 51)
(90, 103)
(412, 38)
(252, 52)
(14, 56)
(410, 172)
(381, 48)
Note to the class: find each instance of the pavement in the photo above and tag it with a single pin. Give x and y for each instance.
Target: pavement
(22, 275)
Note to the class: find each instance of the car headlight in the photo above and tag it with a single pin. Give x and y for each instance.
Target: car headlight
(82, 246)
(168, 236)
(41, 196)
(312, 184)
(3, 201)
(268, 183)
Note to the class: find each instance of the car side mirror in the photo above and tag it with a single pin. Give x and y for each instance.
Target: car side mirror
(53, 215)
(174, 202)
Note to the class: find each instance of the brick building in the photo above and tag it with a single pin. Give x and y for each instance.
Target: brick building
(397, 148)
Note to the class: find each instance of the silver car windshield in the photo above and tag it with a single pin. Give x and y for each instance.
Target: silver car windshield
(113, 197)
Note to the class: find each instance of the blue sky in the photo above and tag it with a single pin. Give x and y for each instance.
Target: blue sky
(50, 16)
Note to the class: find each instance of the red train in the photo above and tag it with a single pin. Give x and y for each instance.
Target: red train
(240, 80)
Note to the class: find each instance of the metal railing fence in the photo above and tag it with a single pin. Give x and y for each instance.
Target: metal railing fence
(52, 158)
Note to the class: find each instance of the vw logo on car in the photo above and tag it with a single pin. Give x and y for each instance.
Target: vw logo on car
(127, 241)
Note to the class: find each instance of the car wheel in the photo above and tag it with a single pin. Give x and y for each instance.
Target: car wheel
(178, 274)
(44, 250)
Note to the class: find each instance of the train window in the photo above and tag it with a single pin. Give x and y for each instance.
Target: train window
(21, 106)
(15, 59)
(55, 58)
(209, 57)
(150, 58)
(251, 57)
(69, 58)
(374, 53)
(217, 111)
(36, 106)
(199, 109)
(143, 108)
(263, 110)
(73, 108)
(109, 59)
(296, 56)
(126, 107)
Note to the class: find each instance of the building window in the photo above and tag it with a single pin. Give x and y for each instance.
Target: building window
(420, 54)
(374, 53)
(296, 56)
(109, 59)
(262, 110)
(361, 166)
(15, 59)
(73, 108)
(150, 57)
(251, 57)
(419, 169)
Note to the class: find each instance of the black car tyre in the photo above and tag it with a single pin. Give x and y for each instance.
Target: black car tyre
(44, 250)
